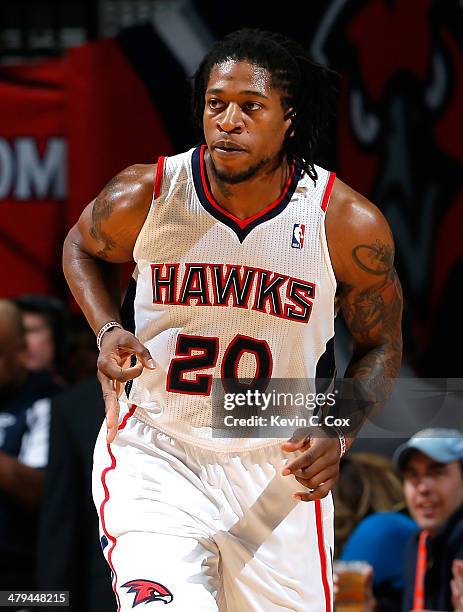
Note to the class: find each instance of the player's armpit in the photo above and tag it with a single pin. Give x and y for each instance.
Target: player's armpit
(108, 227)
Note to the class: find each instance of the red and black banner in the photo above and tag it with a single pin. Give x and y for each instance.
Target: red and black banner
(66, 127)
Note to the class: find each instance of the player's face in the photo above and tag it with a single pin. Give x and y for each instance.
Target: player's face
(244, 122)
(433, 491)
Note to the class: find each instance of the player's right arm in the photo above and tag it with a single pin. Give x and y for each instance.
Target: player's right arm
(105, 235)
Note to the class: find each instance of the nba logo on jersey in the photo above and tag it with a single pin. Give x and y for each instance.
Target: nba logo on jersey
(298, 236)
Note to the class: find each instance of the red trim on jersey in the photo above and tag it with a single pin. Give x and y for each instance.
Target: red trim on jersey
(329, 187)
(159, 177)
(111, 538)
(321, 552)
(242, 223)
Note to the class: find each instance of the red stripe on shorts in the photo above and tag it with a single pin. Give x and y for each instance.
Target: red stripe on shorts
(111, 538)
(321, 552)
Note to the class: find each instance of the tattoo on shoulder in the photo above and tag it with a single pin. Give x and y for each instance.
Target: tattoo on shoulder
(102, 209)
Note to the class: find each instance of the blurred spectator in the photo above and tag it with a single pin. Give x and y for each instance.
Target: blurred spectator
(83, 351)
(369, 525)
(432, 465)
(367, 484)
(69, 548)
(24, 421)
(45, 322)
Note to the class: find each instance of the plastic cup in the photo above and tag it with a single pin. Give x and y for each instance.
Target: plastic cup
(353, 581)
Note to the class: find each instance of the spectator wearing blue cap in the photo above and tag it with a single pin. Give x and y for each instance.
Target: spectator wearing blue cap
(432, 466)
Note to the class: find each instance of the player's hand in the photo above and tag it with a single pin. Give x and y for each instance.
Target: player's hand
(457, 585)
(114, 369)
(317, 468)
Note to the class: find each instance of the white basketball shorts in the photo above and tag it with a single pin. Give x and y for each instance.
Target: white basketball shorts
(203, 530)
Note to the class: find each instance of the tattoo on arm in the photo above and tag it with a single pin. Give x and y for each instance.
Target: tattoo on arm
(102, 209)
(373, 316)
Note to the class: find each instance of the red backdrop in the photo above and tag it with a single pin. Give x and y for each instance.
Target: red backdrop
(66, 127)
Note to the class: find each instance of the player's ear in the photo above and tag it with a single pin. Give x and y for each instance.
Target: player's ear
(288, 117)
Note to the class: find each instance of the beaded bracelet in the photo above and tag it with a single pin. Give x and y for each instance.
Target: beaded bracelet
(104, 329)
(342, 442)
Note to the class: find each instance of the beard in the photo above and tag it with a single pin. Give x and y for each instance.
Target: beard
(233, 178)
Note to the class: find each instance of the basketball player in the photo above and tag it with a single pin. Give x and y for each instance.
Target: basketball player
(240, 254)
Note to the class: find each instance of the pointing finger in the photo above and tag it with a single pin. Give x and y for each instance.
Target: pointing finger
(111, 405)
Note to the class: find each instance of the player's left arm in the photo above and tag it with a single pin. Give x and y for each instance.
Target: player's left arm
(370, 294)
(362, 254)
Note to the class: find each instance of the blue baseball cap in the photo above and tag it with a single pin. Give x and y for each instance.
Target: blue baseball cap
(442, 445)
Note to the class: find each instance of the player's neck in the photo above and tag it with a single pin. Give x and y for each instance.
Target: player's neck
(243, 200)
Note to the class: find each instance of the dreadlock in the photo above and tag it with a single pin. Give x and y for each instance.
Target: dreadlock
(307, 88)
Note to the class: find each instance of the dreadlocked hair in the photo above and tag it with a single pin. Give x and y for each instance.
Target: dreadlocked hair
(308, 90)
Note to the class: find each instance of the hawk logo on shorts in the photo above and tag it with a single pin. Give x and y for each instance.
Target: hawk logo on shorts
(298, 236)
(147, 591)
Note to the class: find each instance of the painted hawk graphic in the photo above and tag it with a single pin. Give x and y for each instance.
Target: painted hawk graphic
(147, 591)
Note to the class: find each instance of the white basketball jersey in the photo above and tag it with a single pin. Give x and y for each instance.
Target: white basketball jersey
(219, 297)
